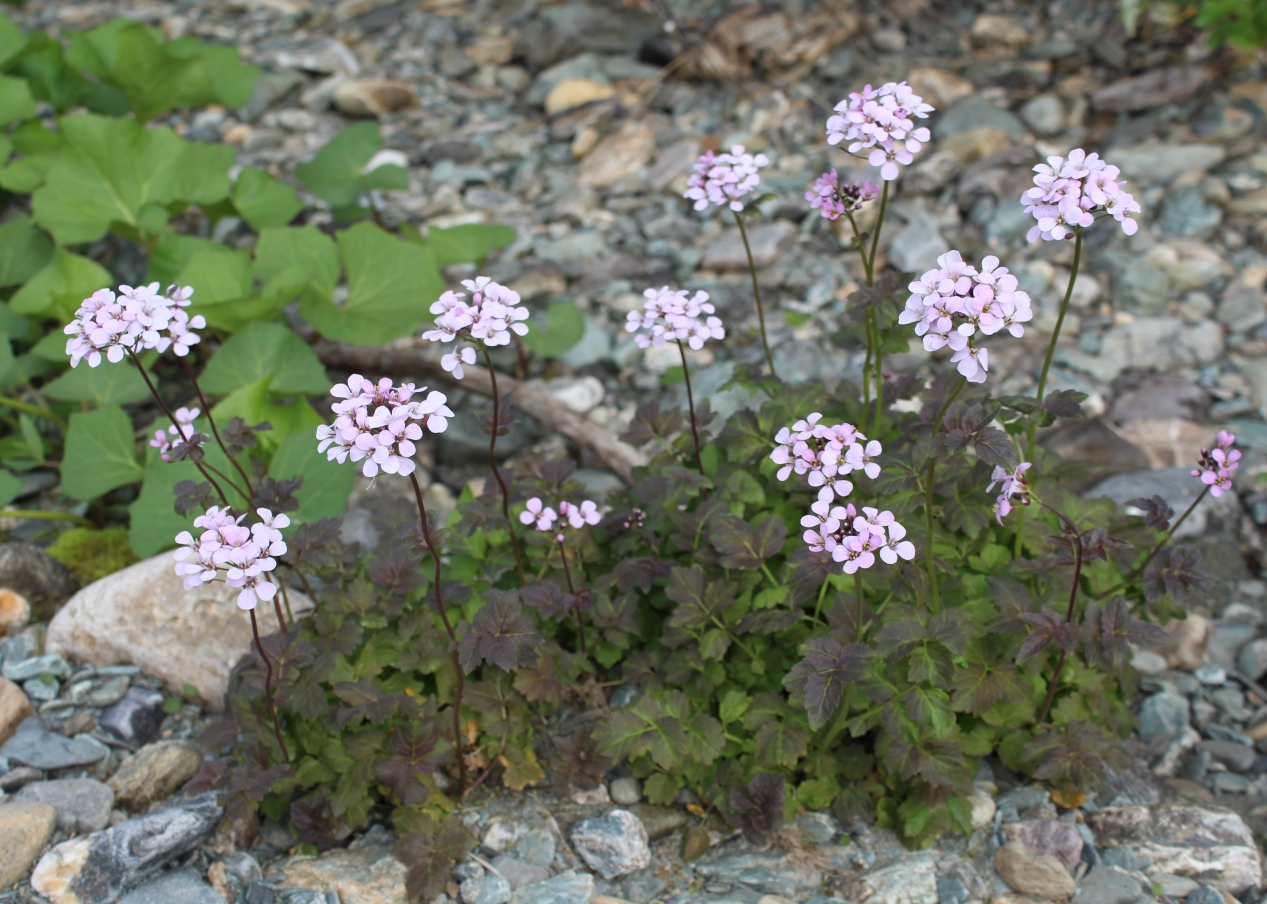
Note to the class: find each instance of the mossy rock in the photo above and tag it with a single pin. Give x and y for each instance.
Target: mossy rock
(93, 554)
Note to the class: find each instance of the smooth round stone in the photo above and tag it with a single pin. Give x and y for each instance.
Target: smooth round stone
(1210, 674)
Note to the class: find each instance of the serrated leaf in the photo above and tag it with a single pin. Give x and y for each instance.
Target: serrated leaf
(521, 769)
(780, 742)
(822, 675)
(499, 633)
(745, 545)
(263, 201)
(977, 686)
(389, 283)
(265, 351)
(115, 170)
(100, 452)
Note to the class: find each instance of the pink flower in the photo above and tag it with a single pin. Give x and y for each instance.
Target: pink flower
(1012, 486)
(881, 121)
(379, 423)
(166, 441)
(1069, 191)
(136, 319)
(834, 200)
(1215, 467)
(489, 318)
(244, 556)
(669, 314)
(538, 514)
(546, 519)
(723, 179)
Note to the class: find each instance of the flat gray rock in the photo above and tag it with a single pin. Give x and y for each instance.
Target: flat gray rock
(183, 886)
(44, 749)
(82, 804)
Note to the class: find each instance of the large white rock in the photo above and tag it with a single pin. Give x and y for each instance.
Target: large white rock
(144, 616)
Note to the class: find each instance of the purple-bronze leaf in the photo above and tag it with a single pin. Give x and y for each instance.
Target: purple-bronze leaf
(822, 675)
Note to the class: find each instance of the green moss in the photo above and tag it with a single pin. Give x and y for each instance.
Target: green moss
(93, 554)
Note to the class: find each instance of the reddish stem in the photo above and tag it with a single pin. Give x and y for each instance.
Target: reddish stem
(268, 687)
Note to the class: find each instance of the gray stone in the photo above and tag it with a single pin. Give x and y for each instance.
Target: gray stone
(1033, 873)
(49, 664)
(1237, 757)
(1185, 212)
(41, 690)
(1206, 894)
(566, 888)
(535, 846)
(973, 112)
(952, 891)
(643, 886)
(1219, 732)
(81, 804)
(517, 872)
(1108, 885)
(47, 750)
(183, 886)
(580, 245)
(767, 240)
(625, 791)
(102, 866)
(1139, 285)
(614, 845)
(1023, 797)
(487, 889)
(1210, 674)
(916, 245)
(1044, 113)
(560, 31)
(911, 879)
(1163, 715)
(1155, 162)
(31, 572)
(99, 693)
(1154, 88)
(1048, 836)
(137, 718)
(1242, 307)
(818, 828)
(446, 171)
(766, 873)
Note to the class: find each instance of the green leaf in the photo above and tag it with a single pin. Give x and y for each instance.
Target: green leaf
(223, 78)
(42, 62)
(253, 404)
(471, 242)
(61, 286)
(152, 520)
(38, 148)
(265, 351)
(733, 705)
(327, 485)
(780, 742)
(217, 274)
(172, 254)
(24, 251)
(662, 788)
(263, 201)
(10, 486)
(100, 453)
(12, 41)
(31, 436)
(15, 100)
(563, 328)
(117, 170)
(292, 258)
(109, 384)
(391, 284)
(335, 174)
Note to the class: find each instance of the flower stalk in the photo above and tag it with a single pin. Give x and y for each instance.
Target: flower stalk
(268, 689)
(497, 474)
(690, 404)
(929, 563)
(756, 291)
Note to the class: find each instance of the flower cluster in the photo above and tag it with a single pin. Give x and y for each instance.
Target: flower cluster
(949, 304)
(544, 518)
(881, 121)
(722, 179)
(489, 317)
(834, 200)
(136, 319)
(379, 423)
(670, 314)
(1069, 191)
(1216, 465)
(855, 539)
(245, 554)
(165, 441)
(825, 454)
(1013, 490)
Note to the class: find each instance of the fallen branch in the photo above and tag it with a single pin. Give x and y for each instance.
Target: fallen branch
(409, 357)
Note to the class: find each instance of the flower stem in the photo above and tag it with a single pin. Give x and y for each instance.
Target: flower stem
(1042, 376)
(875, 236)
(866, 373)
(934, 593)
(857, 618)
(268, 688)
(756, 291)
(277, 608)
(690, 403)
(818, 606)
(1073, 598)
(453, 638)
(1161, 544)
(492, 463)
(33, 409)
(215, 432)
(567, 573)
(37, 515)
(171, 417)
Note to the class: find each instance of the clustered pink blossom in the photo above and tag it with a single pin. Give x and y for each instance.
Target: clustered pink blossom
(1216, 465)
(136, 319)
(949, 304)
(1069, 191)
(670, 314)
(722, 179)
(826, 455)
(1013, 490)
(379, 423)
(491, 315)
(881, 121)
(244, 554)
(544, 518)
(834, 200)
(167, 440)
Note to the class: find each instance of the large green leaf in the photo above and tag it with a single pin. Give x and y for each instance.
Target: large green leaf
(118, 171)
(335, 174)
(12, 41)
(268, 352)
(37, 147)
(109, 384)
(61, 286)
(263, 201)
(15, 100)
(294, 258)
(327, 485)
(10, 486)
(100, 453)
(217, 274)
(253, 403)
(172, 255)
(42, 62)
(24, 251)
(391, 284)
(563, 328)
(223, 77)
(471, 242)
